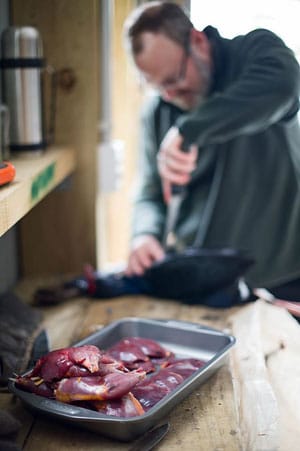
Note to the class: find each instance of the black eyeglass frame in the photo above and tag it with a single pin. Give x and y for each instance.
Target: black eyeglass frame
(182, 71)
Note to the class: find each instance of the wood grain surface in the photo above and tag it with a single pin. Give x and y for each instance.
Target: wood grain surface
(250, 403)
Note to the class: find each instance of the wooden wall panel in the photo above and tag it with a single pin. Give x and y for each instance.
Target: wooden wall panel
(126, 103)
(59, 235)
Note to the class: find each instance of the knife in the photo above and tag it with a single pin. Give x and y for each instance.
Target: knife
(292, 307)
(177, 195)
(170, 239)
(151, 438)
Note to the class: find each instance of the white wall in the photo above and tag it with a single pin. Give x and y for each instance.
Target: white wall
(234, 17)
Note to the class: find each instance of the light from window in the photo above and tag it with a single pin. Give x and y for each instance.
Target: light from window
(234, 17)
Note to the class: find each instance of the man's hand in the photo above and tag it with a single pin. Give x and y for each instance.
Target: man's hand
(174, 165)
(145, 250)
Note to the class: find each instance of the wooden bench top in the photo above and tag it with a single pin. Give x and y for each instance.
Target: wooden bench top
(251, 403)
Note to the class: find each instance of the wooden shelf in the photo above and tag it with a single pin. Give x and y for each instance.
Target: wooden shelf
(36, 176)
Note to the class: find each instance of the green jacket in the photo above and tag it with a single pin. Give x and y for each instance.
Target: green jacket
(244, 192)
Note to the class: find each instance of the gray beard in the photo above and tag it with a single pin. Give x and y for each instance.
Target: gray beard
(204, 71)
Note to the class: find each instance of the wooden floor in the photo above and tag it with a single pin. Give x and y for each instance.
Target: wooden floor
(251, 403)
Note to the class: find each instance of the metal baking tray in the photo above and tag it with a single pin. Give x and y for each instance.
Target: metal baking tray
(185, 339)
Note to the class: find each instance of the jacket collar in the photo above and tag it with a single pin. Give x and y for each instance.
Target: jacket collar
(218, 57)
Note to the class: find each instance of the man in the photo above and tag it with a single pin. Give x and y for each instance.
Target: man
(233, 104)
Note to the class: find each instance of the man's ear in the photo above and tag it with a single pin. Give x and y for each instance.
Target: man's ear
(200, 44)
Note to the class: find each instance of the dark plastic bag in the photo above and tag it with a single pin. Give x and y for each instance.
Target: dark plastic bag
(195, 276)
(199, 275)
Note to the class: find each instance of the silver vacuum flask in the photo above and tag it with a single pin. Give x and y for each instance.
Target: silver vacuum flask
(22, 64)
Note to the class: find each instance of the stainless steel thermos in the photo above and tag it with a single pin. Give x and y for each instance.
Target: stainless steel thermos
(22, 65)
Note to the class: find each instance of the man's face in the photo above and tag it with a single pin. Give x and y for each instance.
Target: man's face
(182, 76)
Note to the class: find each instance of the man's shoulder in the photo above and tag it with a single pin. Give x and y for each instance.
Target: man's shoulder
(259, 36)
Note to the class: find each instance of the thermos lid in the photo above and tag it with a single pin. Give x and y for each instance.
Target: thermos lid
(21, 42)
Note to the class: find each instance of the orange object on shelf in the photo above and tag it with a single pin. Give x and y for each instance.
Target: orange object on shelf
(7, 172)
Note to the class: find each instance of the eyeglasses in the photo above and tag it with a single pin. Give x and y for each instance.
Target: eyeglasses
(174, 81)
(173, 84)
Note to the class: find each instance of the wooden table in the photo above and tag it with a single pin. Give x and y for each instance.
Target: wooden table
(251, 403)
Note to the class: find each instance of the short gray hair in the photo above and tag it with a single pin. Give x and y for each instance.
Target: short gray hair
(156, 17)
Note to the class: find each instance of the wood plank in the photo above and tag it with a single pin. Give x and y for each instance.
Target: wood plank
(281, 344)
(213, 404)
(64, 322)
(51, 436)
(256, 400)
(266, 368)
(206, 419)
(103, 312)
(35, 178)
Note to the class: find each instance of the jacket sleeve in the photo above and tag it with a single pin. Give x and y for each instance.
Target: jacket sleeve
(263, 91)
(149, 207)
